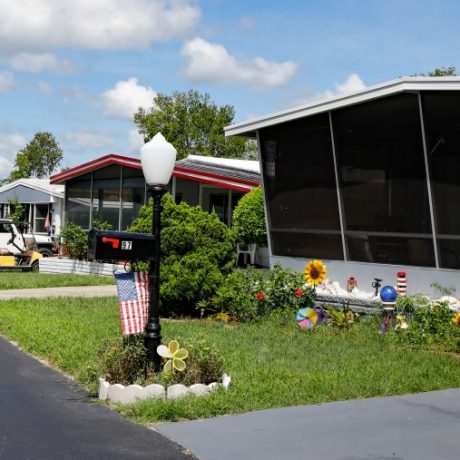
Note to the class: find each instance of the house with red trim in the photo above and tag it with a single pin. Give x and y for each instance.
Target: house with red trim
(112, 188)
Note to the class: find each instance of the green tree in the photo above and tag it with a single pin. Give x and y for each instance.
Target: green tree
(39, 158)
(449, 71)
(194, 124)
(249, 219)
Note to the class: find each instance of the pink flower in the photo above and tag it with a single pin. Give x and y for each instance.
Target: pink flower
(299, 292)
(260, 296)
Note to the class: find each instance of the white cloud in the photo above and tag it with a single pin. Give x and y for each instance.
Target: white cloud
(352, 83)
(135, 141)
(9, 146)
(6, 166)
(7, 82)
(212, 62)
(91, 140)
(44, 88)
(125, 98)
(40, 62)
(31, 25)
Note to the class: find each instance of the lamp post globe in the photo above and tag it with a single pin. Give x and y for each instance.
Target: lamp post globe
(158, 157)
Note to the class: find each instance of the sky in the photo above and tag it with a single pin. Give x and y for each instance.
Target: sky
(81, 69)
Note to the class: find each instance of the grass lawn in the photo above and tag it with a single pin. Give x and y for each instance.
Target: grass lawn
(11, 280)
(271, 365)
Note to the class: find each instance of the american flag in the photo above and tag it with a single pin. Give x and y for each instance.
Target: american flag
(133, 298)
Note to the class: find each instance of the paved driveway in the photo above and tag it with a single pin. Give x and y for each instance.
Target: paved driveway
(44, 416)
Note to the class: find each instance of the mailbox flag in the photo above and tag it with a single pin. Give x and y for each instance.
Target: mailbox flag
(133, 297)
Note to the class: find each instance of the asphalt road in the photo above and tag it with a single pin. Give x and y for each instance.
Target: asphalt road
(45, 416)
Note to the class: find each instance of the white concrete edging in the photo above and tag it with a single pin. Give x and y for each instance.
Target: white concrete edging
(122, 394)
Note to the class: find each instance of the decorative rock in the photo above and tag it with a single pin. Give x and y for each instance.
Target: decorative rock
(118, 393)
(214, 386)
(178, 391)
(154, 391)
(103, 388)
(226, 380)
(115, 392)
(199, 389)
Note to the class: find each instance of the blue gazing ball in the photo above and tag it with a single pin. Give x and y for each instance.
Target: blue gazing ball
(388, 294)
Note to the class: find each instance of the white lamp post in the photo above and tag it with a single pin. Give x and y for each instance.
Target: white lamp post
(157, 158)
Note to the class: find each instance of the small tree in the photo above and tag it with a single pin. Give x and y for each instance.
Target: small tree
(75, 240)
(249, 219)
(197, 251)
(194, 124)
(39, 158)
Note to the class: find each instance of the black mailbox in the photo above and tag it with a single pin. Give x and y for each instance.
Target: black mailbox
(110, 245)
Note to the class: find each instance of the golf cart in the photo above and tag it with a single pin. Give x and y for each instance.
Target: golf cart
(18, 253)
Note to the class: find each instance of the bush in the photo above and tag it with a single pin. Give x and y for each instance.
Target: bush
(252, 295)
(249, 219)
(75, 240)
(197, 252)
(123, 361)
(432, 328)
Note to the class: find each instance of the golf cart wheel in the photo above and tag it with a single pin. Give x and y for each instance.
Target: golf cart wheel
(35, 266)
(45, 252)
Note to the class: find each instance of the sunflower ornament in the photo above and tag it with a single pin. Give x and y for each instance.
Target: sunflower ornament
(315, 272)
(174, 355)
(456, 319)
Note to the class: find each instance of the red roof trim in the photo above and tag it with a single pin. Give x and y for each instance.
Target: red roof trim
(84, 168)
(179, 171)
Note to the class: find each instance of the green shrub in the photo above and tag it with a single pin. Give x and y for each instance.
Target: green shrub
(204, 363)
(75, 240)
(432, 328)
(123, 361)
(249, 219)
(253, 294)
(197, 252)
(407, 304)
(102, 224)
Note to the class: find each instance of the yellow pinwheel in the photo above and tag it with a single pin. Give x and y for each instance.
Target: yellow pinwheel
(175, 356)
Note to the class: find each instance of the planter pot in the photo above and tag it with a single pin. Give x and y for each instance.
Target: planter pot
(262, 256)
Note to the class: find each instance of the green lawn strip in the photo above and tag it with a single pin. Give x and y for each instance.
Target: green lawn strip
(271, 365)
(9, 280)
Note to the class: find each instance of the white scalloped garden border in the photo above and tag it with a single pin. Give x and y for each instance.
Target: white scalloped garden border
(122, 394)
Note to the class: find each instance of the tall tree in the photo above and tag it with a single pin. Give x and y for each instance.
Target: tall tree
(449, 71)
(194, 124)
(39, 158)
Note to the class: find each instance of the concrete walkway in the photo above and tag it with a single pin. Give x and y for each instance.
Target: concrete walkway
(418, 427)
(76, 291)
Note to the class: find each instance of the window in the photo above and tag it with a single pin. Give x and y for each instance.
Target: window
(300, 188)
(383, 182)
(41, 211)
(133, 197)
(441, 112)
(78, 201)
